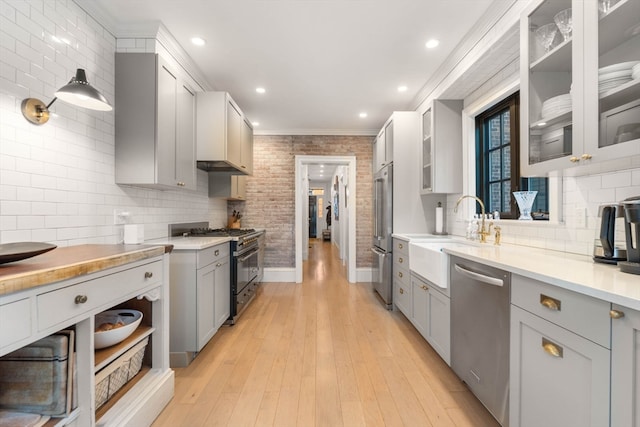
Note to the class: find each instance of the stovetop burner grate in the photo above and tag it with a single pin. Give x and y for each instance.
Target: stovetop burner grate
(221, 232)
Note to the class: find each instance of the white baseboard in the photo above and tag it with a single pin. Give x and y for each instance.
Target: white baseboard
(279, 275)
(364, 274)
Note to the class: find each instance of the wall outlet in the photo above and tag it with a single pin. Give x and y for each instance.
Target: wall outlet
(120, 216)
(581, 218)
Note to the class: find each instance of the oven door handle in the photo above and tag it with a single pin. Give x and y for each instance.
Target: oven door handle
(252, 253)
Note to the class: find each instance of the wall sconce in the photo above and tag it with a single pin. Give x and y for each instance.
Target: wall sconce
(77, 92)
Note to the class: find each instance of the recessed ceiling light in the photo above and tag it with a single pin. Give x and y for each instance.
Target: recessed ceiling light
(432, 43)
(255, 123)
(198, 41)
(402, 88)
(260, 90)
(363, 115)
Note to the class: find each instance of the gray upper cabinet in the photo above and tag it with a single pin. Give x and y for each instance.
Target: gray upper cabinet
(155, 124)
(224, 136)
(442, 147)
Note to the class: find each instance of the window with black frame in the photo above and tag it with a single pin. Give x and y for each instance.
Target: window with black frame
(497, 160)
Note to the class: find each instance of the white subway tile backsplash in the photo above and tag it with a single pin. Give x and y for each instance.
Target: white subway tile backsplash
(619, 179)
(30, 222)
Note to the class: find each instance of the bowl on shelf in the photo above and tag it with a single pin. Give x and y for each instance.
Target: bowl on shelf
(114, 326)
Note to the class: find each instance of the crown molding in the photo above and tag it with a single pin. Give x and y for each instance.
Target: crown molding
(146, 30)
(496, 21)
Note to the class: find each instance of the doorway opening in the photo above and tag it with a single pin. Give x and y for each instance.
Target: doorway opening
(339, 193)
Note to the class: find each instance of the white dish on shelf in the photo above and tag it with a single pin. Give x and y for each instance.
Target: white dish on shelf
(130, 318)
(615, 75)
(617, 67)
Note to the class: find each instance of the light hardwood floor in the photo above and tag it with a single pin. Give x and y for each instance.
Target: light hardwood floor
(323, 353)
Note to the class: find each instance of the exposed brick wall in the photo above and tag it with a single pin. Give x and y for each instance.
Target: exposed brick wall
(270, 200)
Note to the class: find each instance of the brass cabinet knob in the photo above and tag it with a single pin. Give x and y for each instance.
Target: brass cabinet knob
(574, 159)
(400, 260)
(148, 275)
(551, 348)
(400, 274)
(424, 288)
(400, 246)
(586, 156)
(401, 291)
(80, 299)
(616, 314)
(217, 252)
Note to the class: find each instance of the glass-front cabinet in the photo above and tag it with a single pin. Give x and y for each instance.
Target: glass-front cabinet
(612, 86)
(580, 85)
(441, 147)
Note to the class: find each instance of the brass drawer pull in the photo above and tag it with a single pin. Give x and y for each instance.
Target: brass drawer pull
(551, 303)
(616, 314)
(217, 252)
(400, 260)
(148, 275)
(80, 299)
(551, 348)
(401, 291)
(424, 288)
(400, 274)
(400, 246)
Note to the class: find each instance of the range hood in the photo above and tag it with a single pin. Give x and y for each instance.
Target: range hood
(219, 166)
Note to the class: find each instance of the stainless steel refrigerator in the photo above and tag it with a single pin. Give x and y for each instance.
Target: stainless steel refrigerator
(382, 228)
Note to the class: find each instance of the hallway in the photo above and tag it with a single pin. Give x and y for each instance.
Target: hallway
(325, 353)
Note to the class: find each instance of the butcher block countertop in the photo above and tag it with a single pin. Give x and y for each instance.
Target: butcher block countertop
(71, 261)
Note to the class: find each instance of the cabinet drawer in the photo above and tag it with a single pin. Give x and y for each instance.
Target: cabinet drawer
(212, 254)
(401, 260)
(56, 306)
(402, 275)
(401, 246)
(582, 314)
(15, 322)
(402, 297)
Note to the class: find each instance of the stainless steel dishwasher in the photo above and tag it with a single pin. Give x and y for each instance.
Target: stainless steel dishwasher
(480, 298)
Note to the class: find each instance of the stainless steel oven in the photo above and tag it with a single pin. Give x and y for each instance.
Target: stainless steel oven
(244, 272)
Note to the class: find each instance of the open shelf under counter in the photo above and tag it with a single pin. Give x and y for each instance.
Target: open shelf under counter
(107, 355)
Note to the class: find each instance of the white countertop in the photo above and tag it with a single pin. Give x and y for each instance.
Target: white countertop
(574, 272)
(189, 243)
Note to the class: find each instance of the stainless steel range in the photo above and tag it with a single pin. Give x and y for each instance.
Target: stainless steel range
(245, 266)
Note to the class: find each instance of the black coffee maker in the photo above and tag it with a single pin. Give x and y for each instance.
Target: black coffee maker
(632, 234)
(610, 244)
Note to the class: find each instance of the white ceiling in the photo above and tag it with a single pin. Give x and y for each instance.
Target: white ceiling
(322, 62)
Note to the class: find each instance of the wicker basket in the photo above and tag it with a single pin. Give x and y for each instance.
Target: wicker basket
(112, 377)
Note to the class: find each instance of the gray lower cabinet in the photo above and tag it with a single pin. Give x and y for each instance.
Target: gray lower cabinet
(559, 357)
(427, 307)
(625, 367)
(200, 299)
(154, 124)
(401, 278)
(431, 315)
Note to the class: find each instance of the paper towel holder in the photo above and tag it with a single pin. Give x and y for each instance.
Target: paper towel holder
(439, 221)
